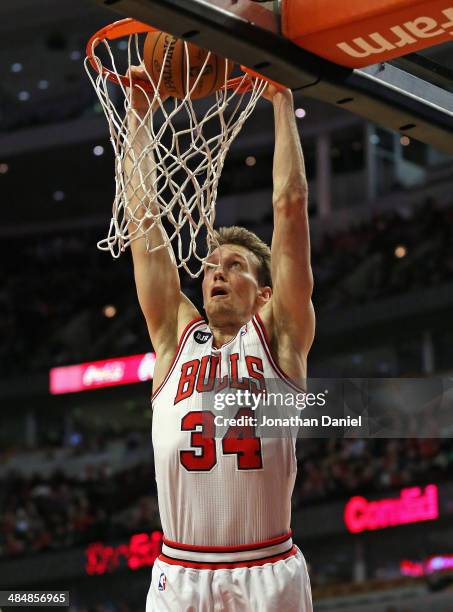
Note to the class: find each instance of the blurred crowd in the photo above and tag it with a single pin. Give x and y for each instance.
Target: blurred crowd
(331, 469)
(52, 312)
(52, 298)
(395, 253)
(48, 513)
(56, 287)
(60, 511)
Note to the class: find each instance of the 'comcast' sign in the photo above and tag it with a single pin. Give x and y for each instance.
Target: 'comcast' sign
(412, 506)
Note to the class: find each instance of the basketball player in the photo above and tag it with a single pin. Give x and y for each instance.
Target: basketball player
(225, 504)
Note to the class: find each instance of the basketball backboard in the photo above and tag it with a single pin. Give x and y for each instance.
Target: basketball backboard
(412, 94)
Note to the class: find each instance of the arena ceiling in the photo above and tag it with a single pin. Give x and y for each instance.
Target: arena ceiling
(43, 45)
(47, 101)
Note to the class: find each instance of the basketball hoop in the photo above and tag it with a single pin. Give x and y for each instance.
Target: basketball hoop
(175, 174)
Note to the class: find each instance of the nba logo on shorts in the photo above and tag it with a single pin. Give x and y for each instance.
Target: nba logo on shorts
(162, 582)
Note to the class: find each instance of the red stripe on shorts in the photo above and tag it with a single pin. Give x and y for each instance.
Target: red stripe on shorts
(225, 564)
(228, 549)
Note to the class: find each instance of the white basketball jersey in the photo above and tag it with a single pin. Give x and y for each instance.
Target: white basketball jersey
(213, 491)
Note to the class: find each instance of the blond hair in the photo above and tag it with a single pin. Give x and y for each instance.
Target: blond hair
(247, 239)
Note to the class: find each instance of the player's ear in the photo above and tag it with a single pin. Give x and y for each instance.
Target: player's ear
(264, 295)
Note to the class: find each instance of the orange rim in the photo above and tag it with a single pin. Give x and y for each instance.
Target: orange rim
(129, 26)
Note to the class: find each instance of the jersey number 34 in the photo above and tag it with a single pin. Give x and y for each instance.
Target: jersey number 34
(239, 441)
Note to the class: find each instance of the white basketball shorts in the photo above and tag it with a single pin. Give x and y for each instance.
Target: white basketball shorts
(268, 576)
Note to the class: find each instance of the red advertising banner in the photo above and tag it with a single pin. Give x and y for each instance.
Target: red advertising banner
(141, 550)
(105, 373)
(431, 565)
(412, 506)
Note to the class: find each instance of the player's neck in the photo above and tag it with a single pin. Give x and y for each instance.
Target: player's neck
(223, 332)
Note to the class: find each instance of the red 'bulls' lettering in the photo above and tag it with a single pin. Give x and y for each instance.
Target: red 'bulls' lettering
(187, 380)
(235, 382)
(256, 371)
(202, 385)
(203, 375)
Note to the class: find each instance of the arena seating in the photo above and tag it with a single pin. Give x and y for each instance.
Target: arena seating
(62, 509)
(64, 318)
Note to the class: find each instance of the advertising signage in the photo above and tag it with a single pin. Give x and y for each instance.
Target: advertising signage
(413, 505)
(105, 373)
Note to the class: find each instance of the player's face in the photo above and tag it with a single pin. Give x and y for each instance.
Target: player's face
(231, 288)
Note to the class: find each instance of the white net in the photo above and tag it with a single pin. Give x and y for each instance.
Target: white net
(169, 165)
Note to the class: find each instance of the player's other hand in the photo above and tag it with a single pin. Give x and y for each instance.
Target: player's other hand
(142, 98)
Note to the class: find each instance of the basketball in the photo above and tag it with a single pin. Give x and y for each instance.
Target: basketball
(160, 47)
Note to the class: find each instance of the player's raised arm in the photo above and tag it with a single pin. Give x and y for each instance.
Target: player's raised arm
(292, 315)
(166, 309)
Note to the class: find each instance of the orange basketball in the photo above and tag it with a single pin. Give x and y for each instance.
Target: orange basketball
(160, 46)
